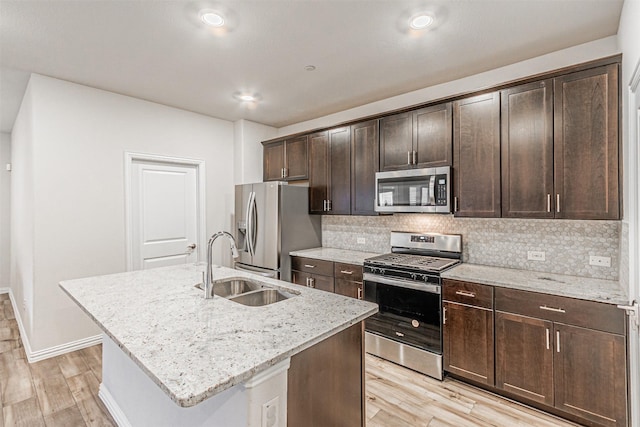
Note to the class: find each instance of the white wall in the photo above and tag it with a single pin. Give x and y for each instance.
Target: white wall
(22, 212)
(5, 212)
(248, 150)
(566, 57)
(79, 137)
(629, 43)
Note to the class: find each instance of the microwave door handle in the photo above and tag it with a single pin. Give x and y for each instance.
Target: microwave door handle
(432, 190)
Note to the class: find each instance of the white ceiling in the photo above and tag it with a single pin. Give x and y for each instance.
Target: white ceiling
(363, 50)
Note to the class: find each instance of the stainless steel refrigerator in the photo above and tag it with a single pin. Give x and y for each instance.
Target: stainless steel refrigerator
(272, 219)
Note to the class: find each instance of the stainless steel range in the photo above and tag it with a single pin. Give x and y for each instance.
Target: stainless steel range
(406, 285)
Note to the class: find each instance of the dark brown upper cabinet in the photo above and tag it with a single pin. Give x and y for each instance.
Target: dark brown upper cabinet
(330, 172)
(527, 151)
(416, 139)
(364, 165)
(286, 160)
(586, 144)
(476, 160)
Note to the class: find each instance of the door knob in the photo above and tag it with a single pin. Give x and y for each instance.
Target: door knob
(192, 246)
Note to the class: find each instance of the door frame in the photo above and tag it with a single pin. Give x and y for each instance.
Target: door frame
(634, 236)
(129, 159)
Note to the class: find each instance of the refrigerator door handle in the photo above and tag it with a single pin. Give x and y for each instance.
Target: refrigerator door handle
(249, 220)
(254, 224)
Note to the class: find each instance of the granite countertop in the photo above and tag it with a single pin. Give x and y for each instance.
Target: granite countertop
(599, 290)
(336, 255)
(194, 348)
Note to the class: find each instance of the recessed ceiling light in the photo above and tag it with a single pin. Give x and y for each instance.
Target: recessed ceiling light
(420, 21)
(212, 18)
(246, 97)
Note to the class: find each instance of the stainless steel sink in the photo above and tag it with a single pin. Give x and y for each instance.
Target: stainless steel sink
(247, 292)
(261, 297)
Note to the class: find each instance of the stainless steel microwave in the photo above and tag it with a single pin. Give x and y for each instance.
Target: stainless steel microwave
(425, 190)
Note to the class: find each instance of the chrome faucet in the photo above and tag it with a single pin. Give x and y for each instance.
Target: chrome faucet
(208, 287)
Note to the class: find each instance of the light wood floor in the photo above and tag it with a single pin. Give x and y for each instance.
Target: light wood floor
(63, 391)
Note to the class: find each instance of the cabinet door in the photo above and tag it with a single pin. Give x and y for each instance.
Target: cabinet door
(396, 142)
(364, 165)
(432, 136)
(324, 283)
(524, 356)
(527, 151)
(273, 161)
(318, 171)
(586, 144)
(295, 159)
(590, 374)
(340, 171)
(476, 160)
(348, 288)
(468, 342)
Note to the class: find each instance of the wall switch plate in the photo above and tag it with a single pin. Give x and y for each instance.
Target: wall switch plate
(362, 241)
(535, 255)
(8, 167)
(600, 261)
(270, 413)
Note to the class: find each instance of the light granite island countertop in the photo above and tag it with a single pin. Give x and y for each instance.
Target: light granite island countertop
(585, 288)
(194, 348)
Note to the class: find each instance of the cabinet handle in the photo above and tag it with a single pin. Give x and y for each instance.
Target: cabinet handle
(548, 202)
(310, 266)
(555, 310)
(557, 202)
(324, 205)
(329, 205)
(466, 294)
(282, 173)
(558, 341)
(285, 172)
(312, 282)
(307, 281)
(455, 204)
(548, 338)
(444, 315)
(415, 157)
(408, 157)
(346, 272)
(359, 292)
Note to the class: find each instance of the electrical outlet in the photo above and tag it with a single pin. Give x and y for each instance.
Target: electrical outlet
(362, 241)
(535, 255)
(270, 413)
(600, 261)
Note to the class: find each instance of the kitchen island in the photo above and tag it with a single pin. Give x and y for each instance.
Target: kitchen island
(172, 357)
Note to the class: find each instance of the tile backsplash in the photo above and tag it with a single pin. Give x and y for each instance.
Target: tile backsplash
(498, 242)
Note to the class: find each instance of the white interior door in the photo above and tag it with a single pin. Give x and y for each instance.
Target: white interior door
(634, 237)
(164, 214)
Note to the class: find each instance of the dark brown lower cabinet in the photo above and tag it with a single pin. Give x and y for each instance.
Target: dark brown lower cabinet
(326, 382)
(317, 281)
(590, 374)
(524, 357)
(348, 280)
(468, 342)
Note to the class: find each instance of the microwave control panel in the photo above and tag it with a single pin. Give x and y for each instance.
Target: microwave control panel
(441, 190)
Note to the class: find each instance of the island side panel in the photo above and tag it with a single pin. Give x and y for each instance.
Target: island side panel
(326, 382)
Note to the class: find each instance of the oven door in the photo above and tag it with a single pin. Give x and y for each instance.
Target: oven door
(408, 312)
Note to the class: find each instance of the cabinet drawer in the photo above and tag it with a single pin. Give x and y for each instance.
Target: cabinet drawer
(468, 293)
(350, 272)
(310, 265)
(570, 311)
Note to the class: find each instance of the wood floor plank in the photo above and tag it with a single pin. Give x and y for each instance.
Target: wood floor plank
(72, 364)
(65, 418)
(93, 358)
(16, 385)
(94, 413)
(23, 414)
(53, 393)
(8, 310)
(83, 386)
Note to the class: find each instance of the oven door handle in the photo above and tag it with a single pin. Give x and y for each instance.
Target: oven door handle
(418, 286)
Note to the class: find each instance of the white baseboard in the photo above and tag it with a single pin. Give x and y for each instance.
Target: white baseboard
(35, 356)
(112, 406)
(5, 290)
